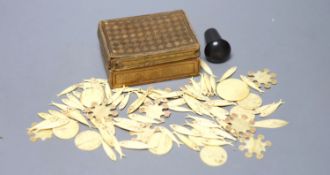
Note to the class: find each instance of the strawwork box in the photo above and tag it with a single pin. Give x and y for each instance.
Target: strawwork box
(148, 48)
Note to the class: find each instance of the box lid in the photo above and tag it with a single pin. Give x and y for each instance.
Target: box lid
(128, 42)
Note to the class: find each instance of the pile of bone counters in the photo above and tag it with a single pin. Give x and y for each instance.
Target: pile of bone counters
(219, 112)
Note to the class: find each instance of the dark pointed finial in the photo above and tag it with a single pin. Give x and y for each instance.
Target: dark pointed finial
(217, 50)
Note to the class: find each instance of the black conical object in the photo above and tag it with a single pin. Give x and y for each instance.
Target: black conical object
(217, 50)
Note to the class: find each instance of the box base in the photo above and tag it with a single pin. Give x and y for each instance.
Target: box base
(156, 73)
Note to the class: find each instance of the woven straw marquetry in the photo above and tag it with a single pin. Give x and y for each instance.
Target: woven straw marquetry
(149, 33)
(149, 40)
